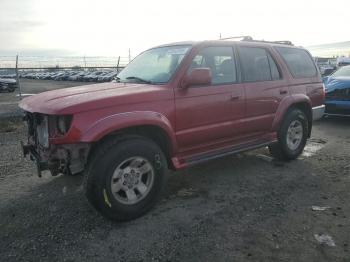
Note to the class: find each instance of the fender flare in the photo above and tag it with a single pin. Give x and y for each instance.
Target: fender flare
(285, 104)
(119, 121)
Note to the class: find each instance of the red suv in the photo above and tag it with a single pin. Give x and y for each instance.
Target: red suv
(174, 106)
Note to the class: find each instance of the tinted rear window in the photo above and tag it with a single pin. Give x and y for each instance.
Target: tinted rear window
(299, 62)
(257, 65)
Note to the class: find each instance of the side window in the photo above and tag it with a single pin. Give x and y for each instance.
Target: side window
(220, 60)
(299, 62)
(198, 61)
(256, 64)
(275, 74)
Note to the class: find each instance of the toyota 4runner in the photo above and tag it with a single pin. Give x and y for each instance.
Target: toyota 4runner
(172, 107)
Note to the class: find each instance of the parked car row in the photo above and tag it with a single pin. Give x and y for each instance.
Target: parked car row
(8, 76)
(326, 65)
(67, 75)
(87, 76)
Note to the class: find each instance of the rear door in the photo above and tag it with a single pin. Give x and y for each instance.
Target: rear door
(305, 76)
(209, 115)
(264, 86)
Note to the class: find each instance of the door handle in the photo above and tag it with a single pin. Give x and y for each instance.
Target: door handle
(235, 97)
(283, 92)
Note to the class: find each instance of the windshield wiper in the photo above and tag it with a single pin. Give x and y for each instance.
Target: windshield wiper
(139, 79)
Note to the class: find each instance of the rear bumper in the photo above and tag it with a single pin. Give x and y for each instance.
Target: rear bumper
(318, 112)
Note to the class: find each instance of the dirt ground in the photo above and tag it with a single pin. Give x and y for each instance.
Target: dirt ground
(239, 208)
(246, 207)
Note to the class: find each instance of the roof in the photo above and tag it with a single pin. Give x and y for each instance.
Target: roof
(191, 43)
(228, 42)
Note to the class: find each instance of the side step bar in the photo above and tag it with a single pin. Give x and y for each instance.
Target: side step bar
(225, 152)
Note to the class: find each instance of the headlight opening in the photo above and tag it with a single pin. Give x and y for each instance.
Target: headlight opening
(42, 130)
(63, 124)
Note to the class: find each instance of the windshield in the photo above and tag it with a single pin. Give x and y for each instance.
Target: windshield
(343, 71)
(156, 65)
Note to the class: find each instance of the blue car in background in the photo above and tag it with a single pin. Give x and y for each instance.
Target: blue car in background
(338, 92)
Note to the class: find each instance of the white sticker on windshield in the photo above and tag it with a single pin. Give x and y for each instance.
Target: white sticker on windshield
(177, 51)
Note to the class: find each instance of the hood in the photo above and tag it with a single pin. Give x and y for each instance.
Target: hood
(333, 83)
(91, 97)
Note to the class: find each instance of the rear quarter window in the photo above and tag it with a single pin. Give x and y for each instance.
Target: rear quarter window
(299, 62)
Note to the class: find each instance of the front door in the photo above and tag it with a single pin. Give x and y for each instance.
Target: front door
(207, 116)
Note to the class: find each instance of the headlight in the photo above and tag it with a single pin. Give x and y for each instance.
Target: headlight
(63, 124)
(42, 131)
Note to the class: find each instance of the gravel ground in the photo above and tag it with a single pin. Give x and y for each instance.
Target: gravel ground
(240, 208)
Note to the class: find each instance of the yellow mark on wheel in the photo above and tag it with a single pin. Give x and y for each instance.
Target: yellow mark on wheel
(106, 198)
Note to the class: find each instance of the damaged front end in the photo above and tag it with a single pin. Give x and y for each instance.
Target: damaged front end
(338, 96)
(55, 157)
(338, 102)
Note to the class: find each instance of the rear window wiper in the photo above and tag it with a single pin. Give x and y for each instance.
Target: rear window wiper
(139, 79)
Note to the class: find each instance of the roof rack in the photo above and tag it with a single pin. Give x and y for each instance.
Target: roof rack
(283, 42)
(243, 38)
(250, 39)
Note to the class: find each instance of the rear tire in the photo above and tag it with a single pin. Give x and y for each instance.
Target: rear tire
(292, 136)
(125, 177)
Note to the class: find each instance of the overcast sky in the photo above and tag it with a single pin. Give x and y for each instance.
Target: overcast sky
(110, 27)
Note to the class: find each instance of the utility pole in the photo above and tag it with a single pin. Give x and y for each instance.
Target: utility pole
(17, 78)
(118, 64)
(85, 61)
(129, 55)
(219, 35)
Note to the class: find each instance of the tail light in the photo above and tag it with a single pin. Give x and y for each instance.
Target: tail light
(324, 92)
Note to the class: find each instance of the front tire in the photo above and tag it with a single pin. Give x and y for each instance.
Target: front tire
(125, 177)
(292, 136)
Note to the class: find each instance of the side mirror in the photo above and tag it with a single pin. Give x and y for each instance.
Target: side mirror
(198, 76)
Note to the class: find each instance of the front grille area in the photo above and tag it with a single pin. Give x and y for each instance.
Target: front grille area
(33, 120)
(30, 119)
(339, 94)
(333, 109)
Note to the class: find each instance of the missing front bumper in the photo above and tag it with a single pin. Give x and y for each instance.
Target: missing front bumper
(35, 157)
(65, 159)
